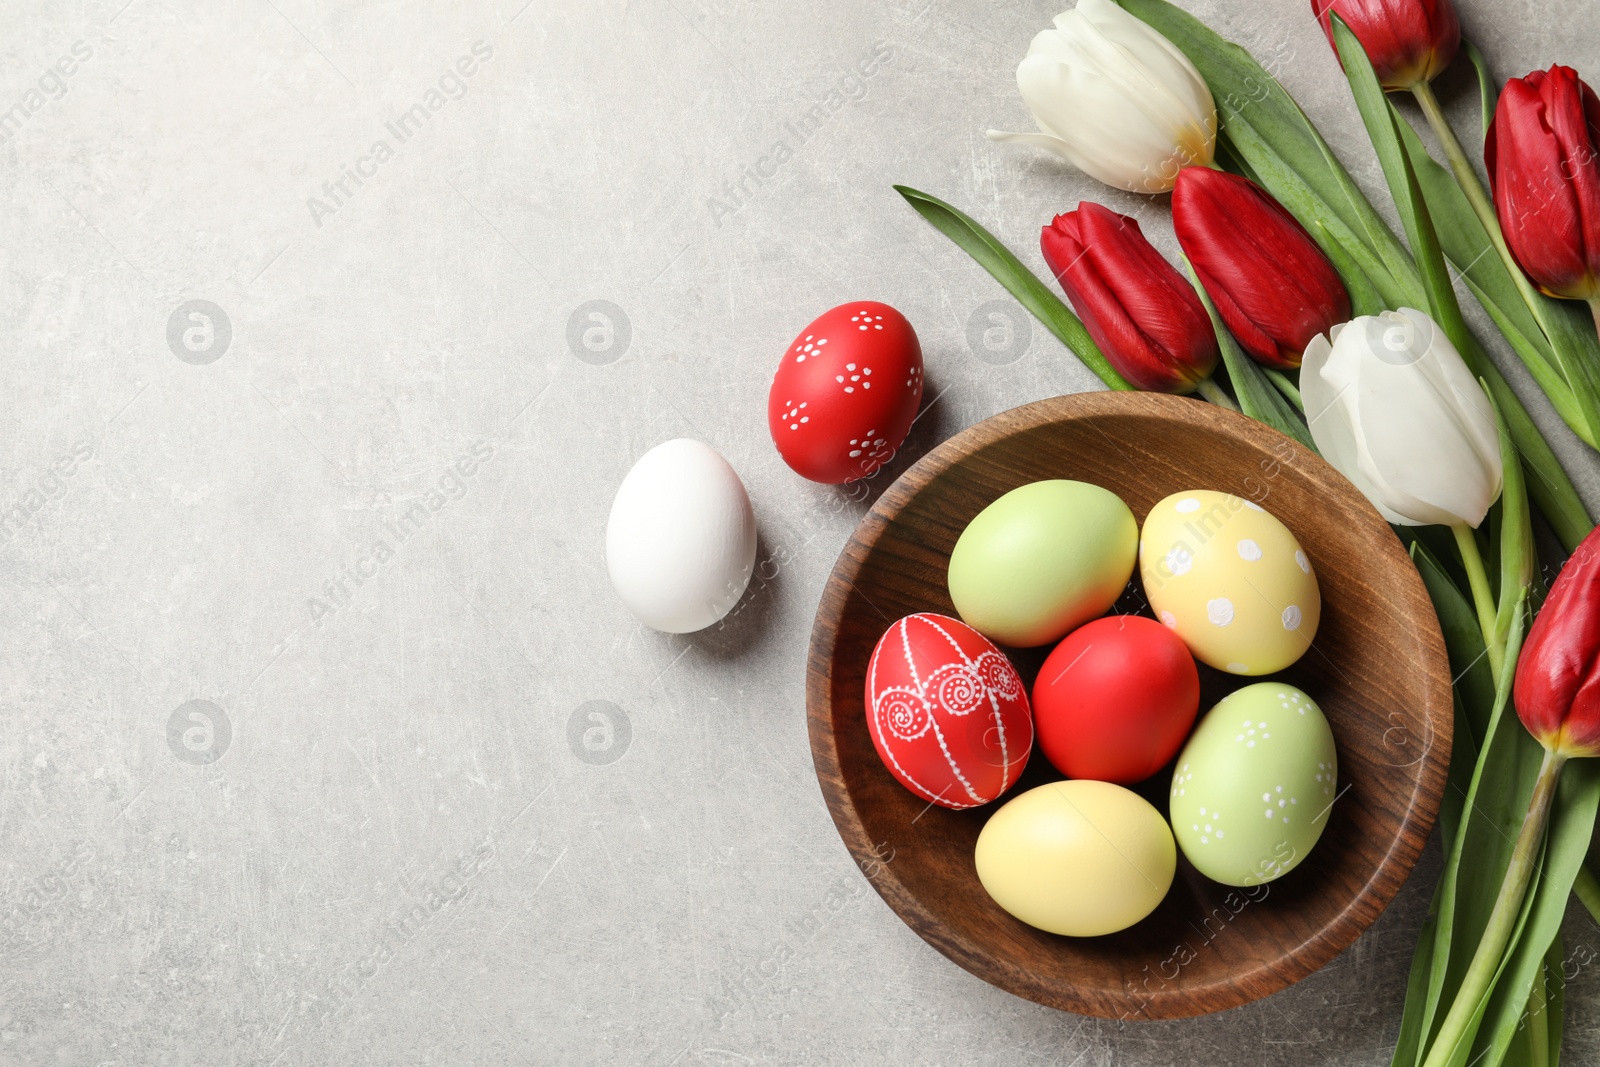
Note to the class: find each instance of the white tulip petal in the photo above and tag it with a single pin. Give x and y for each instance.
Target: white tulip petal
(1407, 441)
(1472, 406)
(1109, 139)
(1144, 79)
(1389, 406)
(1125, 105)
(1332, 425)
(1455, 471)
(1157, 59)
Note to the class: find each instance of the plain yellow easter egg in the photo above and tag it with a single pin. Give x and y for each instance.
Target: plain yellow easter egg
(1080, 858)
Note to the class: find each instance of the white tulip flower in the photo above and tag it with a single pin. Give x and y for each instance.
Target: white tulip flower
(1392, 405)
(1115, 99)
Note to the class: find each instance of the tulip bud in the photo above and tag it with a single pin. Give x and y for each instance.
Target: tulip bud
(1141, 312)
(1270, 282)
(1541, 156)
(1408, 41)
(1115, 99)
(1557, 689)
(1391, 404)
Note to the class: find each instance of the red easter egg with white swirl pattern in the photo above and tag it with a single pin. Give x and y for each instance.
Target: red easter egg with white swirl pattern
(846, 392)
(947, 711)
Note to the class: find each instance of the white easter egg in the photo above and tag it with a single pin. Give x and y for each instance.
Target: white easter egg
(681, 539)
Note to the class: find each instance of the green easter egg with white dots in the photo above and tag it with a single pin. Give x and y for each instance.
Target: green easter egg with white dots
(1253, 788)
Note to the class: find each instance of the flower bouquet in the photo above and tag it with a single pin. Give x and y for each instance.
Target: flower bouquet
(1300, 307)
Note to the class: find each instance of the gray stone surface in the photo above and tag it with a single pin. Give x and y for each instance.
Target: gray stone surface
(238, 881)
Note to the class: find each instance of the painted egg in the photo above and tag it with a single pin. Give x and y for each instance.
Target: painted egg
(1077, 858)
(1041, 560)
(681, 539)
(846, 392)
(1231, 580)
(1253, 787)
(1115, 699)
(947, 712)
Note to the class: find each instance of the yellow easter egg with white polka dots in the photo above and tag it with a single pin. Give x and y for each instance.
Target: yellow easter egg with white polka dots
(1229, 579)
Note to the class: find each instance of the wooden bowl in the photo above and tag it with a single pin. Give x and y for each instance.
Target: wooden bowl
(1377, 668)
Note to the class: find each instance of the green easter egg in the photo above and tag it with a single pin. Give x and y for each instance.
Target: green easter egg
(1254, 785)
(1042, 560)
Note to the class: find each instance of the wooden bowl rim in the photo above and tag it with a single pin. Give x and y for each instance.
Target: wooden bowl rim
(1169, 1002)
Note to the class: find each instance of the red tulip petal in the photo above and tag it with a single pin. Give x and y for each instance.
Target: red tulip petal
(1569, 105)
(1534, 198)
(1557, 687)
(1406, 40)
(1271, 284)
(1139, 310)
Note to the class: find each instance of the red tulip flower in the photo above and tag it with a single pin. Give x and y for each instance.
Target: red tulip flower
(1408, 41)
(1558, 675)
(1142, 313)
(1268, 279)
(1557, 693)
(1541, 152)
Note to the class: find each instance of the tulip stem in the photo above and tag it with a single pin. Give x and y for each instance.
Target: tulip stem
(1461, 1022)
(1482, 598)
(1594, 311)
(1466, 175)
(1473, 188)
(1213, 392)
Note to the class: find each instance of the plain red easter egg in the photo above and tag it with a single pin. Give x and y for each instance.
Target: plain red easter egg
(846, 393)
(947, 711)
(1116, 699)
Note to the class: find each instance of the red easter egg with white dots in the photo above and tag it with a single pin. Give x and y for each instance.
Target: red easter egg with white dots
(846, 392)
(947, 711)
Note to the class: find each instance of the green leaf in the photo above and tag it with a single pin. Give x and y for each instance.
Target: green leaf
(1531, 1041)
(1232, 161)
(1474, 714)
(1469, 663)
(1555, 962)
(1514, 526)
(1538, 1033)
(1258, 398)
(1468, 246)
(1494, 804)
(1408, 1042)
(1549, 487)
(1365, 298)
(1486, 86)
(1572, 819)
(1408, 201)
(1586, 888)
(1373, 107)
(1571, 330)
(1290, 391)
(995, 258)
(1459, 1055)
